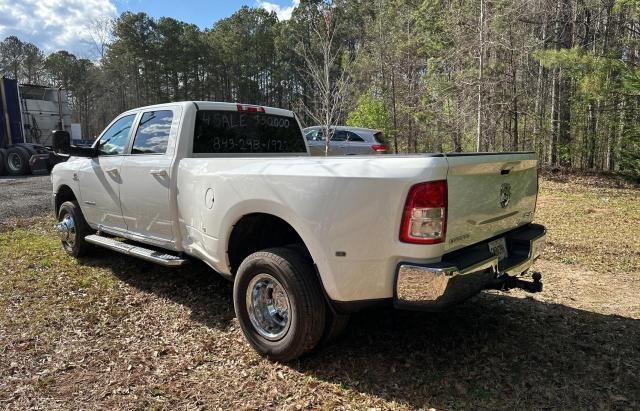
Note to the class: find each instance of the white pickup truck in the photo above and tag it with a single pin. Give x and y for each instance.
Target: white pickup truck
(306, 240)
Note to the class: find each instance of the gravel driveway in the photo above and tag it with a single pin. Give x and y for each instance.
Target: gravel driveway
(24, 196)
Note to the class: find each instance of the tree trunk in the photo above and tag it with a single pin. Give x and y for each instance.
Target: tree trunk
(393, 111)
(480, 78)
(553, 135)
(564, 41)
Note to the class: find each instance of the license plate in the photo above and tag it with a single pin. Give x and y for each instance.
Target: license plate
(499, 248)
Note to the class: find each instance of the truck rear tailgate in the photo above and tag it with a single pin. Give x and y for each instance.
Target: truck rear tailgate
(488, 194)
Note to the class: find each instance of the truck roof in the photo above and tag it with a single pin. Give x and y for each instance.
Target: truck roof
(215, 105)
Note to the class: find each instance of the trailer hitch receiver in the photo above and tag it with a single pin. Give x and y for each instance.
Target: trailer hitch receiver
(507, 282)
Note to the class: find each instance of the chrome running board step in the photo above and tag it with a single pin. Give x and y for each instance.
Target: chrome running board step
(158, 257)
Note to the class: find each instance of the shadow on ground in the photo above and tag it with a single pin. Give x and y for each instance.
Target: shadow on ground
(196, 286)
(493, 351)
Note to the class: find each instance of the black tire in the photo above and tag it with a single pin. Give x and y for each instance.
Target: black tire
(3, 156)
(335, 323)
(305, 309)
(17, 161)
(78, 247)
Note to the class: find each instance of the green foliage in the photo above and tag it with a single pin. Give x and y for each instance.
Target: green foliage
(431, 23)
(631, 82)
(630, 154)
(631, 6)
(596, 76)
(370, 113)
(20, 60)
(561, 78)
(630, 144)
(62, 67)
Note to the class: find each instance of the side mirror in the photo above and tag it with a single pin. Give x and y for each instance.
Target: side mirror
(61, 141)
(62, 145)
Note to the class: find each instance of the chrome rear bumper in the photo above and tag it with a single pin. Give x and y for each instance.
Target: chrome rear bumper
(466, 272)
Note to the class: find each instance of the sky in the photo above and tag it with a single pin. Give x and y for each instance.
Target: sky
(67, 24)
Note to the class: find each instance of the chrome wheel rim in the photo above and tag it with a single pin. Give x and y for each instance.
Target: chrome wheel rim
(14, 162)
(66, 229)
(268, 307)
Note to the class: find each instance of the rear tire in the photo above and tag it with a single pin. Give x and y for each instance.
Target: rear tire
(17, 161)
(72, 222)
(3, 159)
(335, 323)
(279, 303)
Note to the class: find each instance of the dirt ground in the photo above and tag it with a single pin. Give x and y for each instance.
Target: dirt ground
(111, 332)
(24, 196)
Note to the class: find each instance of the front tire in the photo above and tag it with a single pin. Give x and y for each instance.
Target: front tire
(72, 229)
(279, 303)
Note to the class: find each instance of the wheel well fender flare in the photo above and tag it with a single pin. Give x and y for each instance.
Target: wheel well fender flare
(63, 193)
(268, 208)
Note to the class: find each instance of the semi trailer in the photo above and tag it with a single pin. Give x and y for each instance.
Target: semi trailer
(28, 116)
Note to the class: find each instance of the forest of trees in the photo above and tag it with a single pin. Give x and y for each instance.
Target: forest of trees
(561, 77)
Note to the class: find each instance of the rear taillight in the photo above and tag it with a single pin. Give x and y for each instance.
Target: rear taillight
(424, 220)
(379, 148)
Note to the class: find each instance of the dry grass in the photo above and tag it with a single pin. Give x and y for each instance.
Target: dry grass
(114, 332)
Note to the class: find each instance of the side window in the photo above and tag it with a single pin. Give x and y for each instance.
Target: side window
(312, 135)
(355, 137)
(152, 135)
(114, 140)
(339, 135)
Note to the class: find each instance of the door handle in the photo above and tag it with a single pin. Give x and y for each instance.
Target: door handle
(111, 170)
(159, 172)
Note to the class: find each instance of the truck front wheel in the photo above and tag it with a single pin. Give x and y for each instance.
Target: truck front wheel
(279, 303)
(72, 228)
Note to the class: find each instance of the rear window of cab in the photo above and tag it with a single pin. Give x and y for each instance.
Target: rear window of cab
(235, 132)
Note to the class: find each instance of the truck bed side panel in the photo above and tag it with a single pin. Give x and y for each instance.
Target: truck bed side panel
(347, 204)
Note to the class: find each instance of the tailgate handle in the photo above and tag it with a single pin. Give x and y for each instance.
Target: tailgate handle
(507, 167)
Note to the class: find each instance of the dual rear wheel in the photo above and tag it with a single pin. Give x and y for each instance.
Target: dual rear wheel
(280, 307)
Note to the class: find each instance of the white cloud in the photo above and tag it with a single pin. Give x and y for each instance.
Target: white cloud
(284, 13)
(54, 24)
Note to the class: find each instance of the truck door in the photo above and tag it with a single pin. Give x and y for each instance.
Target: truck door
(99, 177)
(146, 176)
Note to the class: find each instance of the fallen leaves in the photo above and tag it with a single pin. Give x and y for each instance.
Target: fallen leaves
(114, 332)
